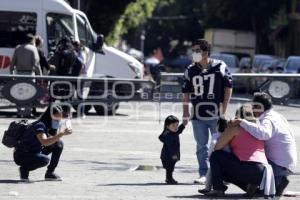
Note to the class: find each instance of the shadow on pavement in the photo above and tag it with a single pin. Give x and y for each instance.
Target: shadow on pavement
(22, 182)
(143, 184)
(228, 196)
(6, 161)
(9, 181)
(85, 162)
(95, 114)
(103, 165)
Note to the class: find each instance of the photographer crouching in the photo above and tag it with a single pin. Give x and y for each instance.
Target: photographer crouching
(39, 140)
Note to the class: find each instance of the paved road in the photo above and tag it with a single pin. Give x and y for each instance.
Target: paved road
(118, 158)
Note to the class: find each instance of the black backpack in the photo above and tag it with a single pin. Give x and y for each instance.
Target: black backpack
(13, 134)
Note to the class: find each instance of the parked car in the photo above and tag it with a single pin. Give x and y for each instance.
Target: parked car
(245, 64)
(292, 65)
(260, 64)
(278, 65)
(244, 84)
(265, 67)
(259, 59)
(230, 59)
(272, 66)
(241, 84)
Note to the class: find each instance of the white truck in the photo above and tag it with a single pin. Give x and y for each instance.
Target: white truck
(231, 41)
(54, 19)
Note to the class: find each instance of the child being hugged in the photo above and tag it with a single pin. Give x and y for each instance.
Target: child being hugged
(170, 152)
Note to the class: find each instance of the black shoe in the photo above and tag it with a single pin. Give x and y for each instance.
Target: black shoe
(50, 176)
(251, 191)
(204, 191)
(24, 175)
(215, 193)
(283, 184)
(171, 181)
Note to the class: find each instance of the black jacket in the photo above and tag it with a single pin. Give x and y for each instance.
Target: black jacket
(43, 60)
(171, 145)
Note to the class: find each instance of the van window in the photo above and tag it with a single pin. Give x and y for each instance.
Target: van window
(14, 26)
(58, 26)
(84, 32)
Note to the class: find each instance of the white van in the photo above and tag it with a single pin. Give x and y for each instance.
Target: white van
(53, 19)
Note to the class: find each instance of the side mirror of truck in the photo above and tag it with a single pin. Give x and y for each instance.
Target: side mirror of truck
(98, 45)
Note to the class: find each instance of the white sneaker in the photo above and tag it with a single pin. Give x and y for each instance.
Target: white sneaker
(201, 180)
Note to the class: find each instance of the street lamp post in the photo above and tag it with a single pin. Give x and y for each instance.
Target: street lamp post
(143, 37)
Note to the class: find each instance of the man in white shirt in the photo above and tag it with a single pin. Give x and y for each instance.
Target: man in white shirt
(280, 143)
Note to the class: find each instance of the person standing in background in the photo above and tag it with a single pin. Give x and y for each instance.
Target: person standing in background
(153, 64)
(25, 59)
(45, 66)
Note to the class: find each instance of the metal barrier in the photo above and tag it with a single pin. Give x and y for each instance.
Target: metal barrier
(281, 87)
(26, 92)
(265, 75)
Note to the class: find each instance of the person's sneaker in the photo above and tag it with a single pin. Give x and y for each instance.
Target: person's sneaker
(283, 184)
(215, 193)
(52, 177)
(171, 181)
(201, 180)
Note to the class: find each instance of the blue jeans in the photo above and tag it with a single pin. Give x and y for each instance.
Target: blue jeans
(32, 161)
(279, 173)
(202, 129)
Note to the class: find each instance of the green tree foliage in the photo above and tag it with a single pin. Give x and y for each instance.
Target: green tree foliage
(179, 20)
(104, 14)
(255, 15)
(136, 13)
(113, 19)
(182, 20)
(173, 22)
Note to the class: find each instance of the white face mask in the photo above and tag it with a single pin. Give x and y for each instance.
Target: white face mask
(197, 57)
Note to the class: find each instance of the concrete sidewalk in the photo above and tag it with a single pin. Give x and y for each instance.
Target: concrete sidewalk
(118, 158)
